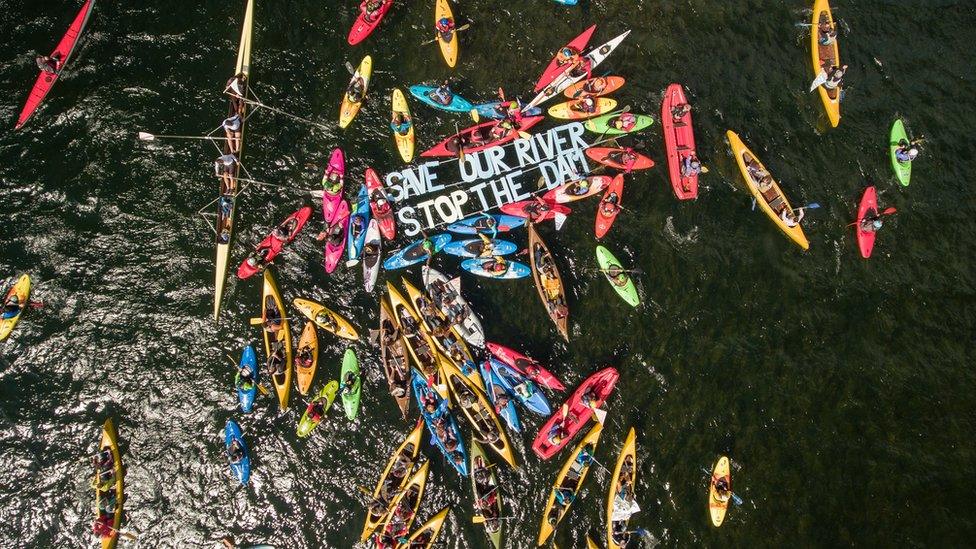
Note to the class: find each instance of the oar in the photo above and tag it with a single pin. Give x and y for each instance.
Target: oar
(810, 206)
(887, 211)
(281, 112)
(258, 320)
(264, 390)
(735, 498)
(349, 68)
(463, 27)
(820, 80)
(478, 519)
(146, 136)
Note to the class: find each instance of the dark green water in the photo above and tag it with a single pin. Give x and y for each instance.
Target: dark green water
(841, 388)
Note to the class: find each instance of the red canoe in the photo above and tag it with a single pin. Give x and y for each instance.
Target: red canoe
(603, 156)
(868, 207)
(449, 147)
(525, 366)
(363, 28)
(555, 68)
(45, 80)
(679, 142)
(273, 244)
(602, 383)
(535, 211)
(607, 212)
(384, 215)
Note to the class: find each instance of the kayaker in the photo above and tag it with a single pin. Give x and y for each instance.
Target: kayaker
(285, 231)
(525, 389)
(106, 499)
(756, 172)
(906, 151)
(12, 306)
(276, 361)
(566, 55)
(579, 187)
(272, 315)
(791, 219)
(443, 94)
(400, 123)
(445, 27)
(332, 182)
(245, 377)
(679, 111)
(872, 222)
(356, 90)
(370, 9)
(765, 184)
(497, 265)
(625, 122)
(590, 399)
(585, 105)
(623, 156)
(258, 259)
(104, 460)
(335, 234)
(557, 433)
(103, 526)
(564, 497)
(501, 399)
(235, 86)
(501, 129)
(537, 210)
(610, 205)
(225, 205)
(595, 85)
(617, 276)
(371, 250)
(722, 489)
(427, 245)
(582, 67)
(827, 33)
(835, 77)
(348, 383)
(316, 409)
(49, 64)
(690, 166)
(514, 112)
(235, 452)
(232, 130)
(103, 483)
(326, 321)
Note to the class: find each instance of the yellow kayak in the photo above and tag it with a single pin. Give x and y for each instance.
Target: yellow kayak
(717, 507)
(408, 449)
(590, 544)
(626, 467)
(571, 110)
(773, 202)
(350, 108)
(326, 318)
(110, 442)
(308, 341)
(425, 536)
(451, 345)
(449, 47)
(271, 304)
(825, 57)
(552, 516)
(479, 412)
(407, 500)
(418, 342)
(22, 290)
(404, 142)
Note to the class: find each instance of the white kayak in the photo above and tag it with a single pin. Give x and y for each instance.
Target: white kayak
(567, 78)
(437, 284)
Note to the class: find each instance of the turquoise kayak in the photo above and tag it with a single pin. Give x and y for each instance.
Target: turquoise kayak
(457, 104)
(482, 267)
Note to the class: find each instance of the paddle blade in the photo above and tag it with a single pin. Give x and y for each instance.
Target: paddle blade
(889, 211)
(256, 321)
(600, 415)
(736, 499)
(559, 219)
(812, 206)
(352, 263)
(475, 116)
(264, 390)
(144, 136)
(524, 135)
(819, 80)
(478, 519)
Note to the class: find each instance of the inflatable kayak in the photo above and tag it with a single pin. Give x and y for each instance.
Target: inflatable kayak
(717, 507)
(499, 396)
(475, 246)
(573, 73)
(903, 170)
(333, 181)
(404, 141)
(358, 224)
(241, 468)
(558, 63)
(525, 366)
(556, 509)
(380, 204)
(486, 224)
(497, 110)
(478, 411)
(372, 251)
(275, 317)
(247, 393)
(679, 142)
(425, 93)
(325, 318)
(46, 80)
(574, 109)
(556, 433)
(448, 42)
(619, 508)
(350, 394)
(407, 452)
(580, 189)
(536, 210)
(867, 208)
(549, 284)
(336, 233)
(21, 289)
(269, 248)
(594, 87)
(424, 394)
(617, 276)
(619, 159)
(307, 358)
(446, 294)
(520, 388)
(393, 357)
(618, 124)
(414, 253)
(365, 25)
(350, 106)
(772, 202)
(486, 496)
(326, 396)
(480, 137)
(825, 57)
(485, 268)
(609, 206)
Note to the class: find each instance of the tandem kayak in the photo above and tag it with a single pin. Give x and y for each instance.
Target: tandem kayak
(679, 142)
(350, 105)
(618, 124)
(500, 398)
(480, 137)
(419, 344)
(594, 87)
(549, 284)
(618, 277)
(404, 507)
(475, 247)
(619, 509)
(21, 289)
(333, 181)
(580, 189)
(520, 388)
(559, 62)
(525, 366)
(240, 466)
(372, 251)
(486, 224)
(619, 159)
(269, 248)
(825, 57)
(307, 359)
(556, 433)
(335, 234)
(325, 318)
(575, 110)
(365, 25)
(358, 225)
(433, 320)
(247, 392)
(45, 80)
(352, 384)
(426, 95)
(577, 463)
(479, 412)
(867, 208)
(404, 141)
(380, 204)
(717, 507)
(415, 253)
(487, 498)
(109, 442)
(446, 294)
(277, 338)
(609, 208)
(313, 416)
(425, 536)
(457, 456)
(488, 268)
(393, 356)
(406, 452)
(903, 170)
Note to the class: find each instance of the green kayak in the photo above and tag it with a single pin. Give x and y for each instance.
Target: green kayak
(903, 170)
(619, 279)
(350, 392)
(326, 396)
(601, 124)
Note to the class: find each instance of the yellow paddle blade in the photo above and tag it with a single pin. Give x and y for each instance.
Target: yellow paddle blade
(475, 116)
(264, 390)
(256, 321)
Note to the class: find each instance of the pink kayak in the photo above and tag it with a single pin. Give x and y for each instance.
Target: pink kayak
(525, 366)
(383, 214)
(558, 64)
(45, 80)
(362, 27)
(535, 210)
(331, 200)
(335, 236)
(868, 208)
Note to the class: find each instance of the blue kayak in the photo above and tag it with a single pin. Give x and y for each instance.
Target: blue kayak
(494, 389)
(358, 223)
(479, 224)
(242, 469)
(422, 392)
(246, 396)
(494, 111)
(414, 253)
(473, 247)
(566, 2)
(457, 104)
(513, 269)
(523, 389)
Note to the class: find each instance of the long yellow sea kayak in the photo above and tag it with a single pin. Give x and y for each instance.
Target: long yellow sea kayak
(568, 482)
(326, 318)
(825, 57)
(619, 500)
(276, 333)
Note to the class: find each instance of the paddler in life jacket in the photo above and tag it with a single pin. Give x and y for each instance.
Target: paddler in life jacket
(722, 489)
(356, 90)
(617, 276)
(690, 166)
(567, 55)
(235, 453)
(382, 204)
(12, 307)
(487, 246)
(284, 231)
(872, 222)
(906, 151)
(332, 181)
(445, 28)
(582, 67)
(513, 113)
(370, 9)
(595, 85)
(235, 86)
(835, 77)
(348, 383)
(443, 94)
(791, 219)
(610, 205)
(827, 33)
(49, 64)
(400, 123)
(624, 156)
(316, 409)
(502, 129)
(585, 105)
(245, 378)
(497, 265)
(579, 187)
(679, 111)
(625, 122)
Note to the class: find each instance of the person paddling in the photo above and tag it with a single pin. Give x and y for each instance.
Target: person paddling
(625, 122)
(50, 64)
(827, 33)
(872, 221)
(370, 9)
(679, 111)
(356, 90)
(12, 306)
(906, 152)
(690, 166)
(445, 28)
(443, 94)
(790, 218)
(835, 77)
(400, 123)
(585, 105)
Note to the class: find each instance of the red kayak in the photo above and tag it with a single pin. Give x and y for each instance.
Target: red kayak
(601, 383)
(609, 207)
(270, 247)
(525, 366)
(535, 210)
(868, 208)
(362, 27)
(45, 81)
(384, 213)
(619, 159)
(557, 64)
(478, 138)
(679, 142)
